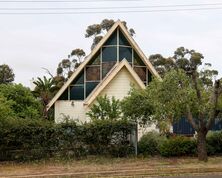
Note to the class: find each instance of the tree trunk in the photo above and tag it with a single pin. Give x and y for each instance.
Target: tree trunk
(202, 146)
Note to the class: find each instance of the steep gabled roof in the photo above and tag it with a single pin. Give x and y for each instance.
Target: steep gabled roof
(110, 76)
(133, 44)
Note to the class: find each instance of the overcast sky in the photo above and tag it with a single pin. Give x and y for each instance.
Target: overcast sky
(30, 42)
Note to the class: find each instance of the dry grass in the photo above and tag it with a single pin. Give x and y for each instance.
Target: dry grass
(100, 166)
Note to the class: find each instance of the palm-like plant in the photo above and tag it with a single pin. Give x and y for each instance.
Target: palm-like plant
(44, 89)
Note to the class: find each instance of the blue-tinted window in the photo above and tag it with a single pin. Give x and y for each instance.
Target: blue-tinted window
(112, 40)
(64, 96)
(109, 54)
(137, 60)
(95, 59)
(150, 76)
(125, 52)
(79, 79)
(77, 92)
(123, 40)
(90, 87)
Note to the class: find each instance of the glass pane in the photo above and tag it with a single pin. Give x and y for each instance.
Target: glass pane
(150, 76)
(137, 60)
(123, 40)
(95, 59)
(90, 87)
(79, 79)
(109, 54)
(112, 40)
(106, 66)
(126, 53)
(77, 92)
(64, 96)
(93, 73)
(141, 71)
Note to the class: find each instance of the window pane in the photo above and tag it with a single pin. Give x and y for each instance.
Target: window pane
(150, 76)
(137, 60)
(123, 40)
(90, 87)
(79, 79)
(112, 39)
(93, 73)
(126, 53)
(77, 92)
(95, 60)
(141, 71)
(64, 96)
(106, 66)
(109, 54)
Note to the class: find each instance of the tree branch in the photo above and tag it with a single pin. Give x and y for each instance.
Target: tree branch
(190, 119)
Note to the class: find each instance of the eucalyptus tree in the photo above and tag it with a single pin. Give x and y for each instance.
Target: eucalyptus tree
(6, 74)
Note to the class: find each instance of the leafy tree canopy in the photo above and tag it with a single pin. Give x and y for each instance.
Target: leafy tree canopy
(21, 101)
(6, 74)
(96, 31)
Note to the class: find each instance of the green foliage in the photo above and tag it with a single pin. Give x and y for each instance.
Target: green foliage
(21, 101)
(149, 143)
(214, 142)
(105, 109)
(137, 107)
(6, 74)
(178, 146)
(97, 30)
(36, 139)
(6, 110)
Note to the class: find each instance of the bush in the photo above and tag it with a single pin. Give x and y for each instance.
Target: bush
(214, 142)
(25, 139)
(149, 143)
(178, 146)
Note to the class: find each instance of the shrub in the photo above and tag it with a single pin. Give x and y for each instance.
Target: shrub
(178, 146)
(214, 142)
(25, 139)
(149, 143)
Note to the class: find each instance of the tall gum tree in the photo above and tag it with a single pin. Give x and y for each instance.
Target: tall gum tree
(183, 91)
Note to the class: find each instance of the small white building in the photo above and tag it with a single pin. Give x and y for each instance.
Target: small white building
(111, 69)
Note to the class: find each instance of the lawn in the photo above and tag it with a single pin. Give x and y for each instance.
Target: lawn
(100, 166)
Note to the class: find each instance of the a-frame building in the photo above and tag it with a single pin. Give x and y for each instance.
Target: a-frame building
(113, 67)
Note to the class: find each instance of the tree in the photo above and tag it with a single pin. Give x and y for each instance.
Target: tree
(45, 90)
(6, 74)
(183, 91)
(105, 109)
(6, 110)
(67, 66)
(96, 31)
(22, 101)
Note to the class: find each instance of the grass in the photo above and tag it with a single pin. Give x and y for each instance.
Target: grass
(101, 166)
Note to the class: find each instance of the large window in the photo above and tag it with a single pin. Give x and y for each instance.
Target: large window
(125, 53)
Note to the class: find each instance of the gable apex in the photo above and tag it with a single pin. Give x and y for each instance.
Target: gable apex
(116, 25)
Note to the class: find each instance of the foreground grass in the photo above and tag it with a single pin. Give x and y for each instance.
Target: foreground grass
(100, 166)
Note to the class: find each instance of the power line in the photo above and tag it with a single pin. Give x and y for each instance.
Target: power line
(58, 1)
(102, 12)
(119, 7)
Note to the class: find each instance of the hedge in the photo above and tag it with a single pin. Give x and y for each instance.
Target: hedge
(30, 140)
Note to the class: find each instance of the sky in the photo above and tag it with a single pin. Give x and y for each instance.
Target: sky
(29, 43)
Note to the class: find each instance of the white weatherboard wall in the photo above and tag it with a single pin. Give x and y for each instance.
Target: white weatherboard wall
(120, 86)
(73, 109)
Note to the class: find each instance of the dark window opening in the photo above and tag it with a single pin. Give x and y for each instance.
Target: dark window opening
(79, 79)
(123, 40)
(77, 92)
(90, 87)
(150, 77)
(141, 71)
(125, 52)
(137, 60)
(64, 96)
(106, 67)
(109, 54)
(95, 60)
(93, 73)
(112, 40)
